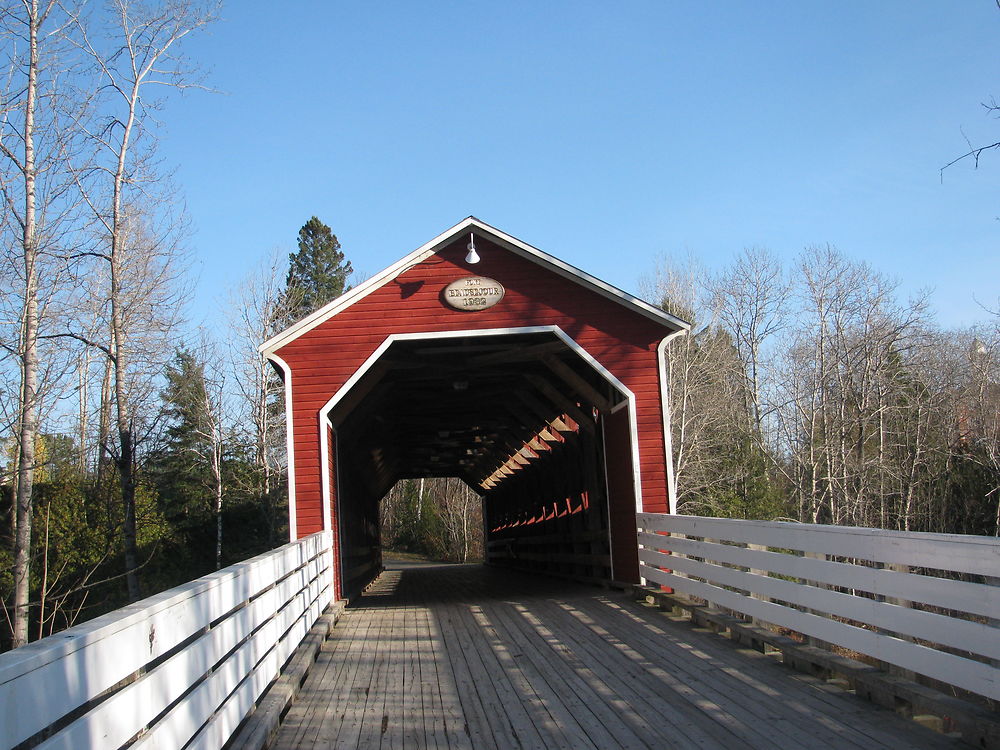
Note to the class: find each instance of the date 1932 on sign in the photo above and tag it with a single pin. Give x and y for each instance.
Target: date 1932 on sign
(473, 293)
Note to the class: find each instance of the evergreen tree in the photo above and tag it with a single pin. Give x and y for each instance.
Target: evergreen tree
(317, 272)
(203, 476)
(182, 466)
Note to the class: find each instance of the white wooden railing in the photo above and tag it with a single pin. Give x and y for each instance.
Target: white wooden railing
(180, 669)
(928, 603)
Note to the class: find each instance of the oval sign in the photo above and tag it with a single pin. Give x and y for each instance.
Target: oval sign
(473, 293)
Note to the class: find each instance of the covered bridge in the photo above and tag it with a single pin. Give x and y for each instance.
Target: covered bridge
(481, 357)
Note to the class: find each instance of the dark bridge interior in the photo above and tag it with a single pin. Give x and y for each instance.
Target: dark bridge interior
(518, 417)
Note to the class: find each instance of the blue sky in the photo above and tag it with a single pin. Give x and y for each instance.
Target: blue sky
(606, 134)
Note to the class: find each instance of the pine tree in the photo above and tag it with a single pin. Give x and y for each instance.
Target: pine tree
(318, 271)
(182, 468)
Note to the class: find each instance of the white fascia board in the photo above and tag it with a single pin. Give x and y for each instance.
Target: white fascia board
(582, 277)
(593, 362)
(362, 290)
(286, 372)
(502, 238)
(668, 448)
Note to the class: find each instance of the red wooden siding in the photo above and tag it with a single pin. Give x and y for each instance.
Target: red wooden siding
(334, 518)
(621, 502)
(324, 358)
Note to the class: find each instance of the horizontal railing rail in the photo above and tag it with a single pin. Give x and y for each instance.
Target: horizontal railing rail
(928, 603)
(181, 669)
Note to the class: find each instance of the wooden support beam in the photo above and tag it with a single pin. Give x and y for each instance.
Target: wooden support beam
(551, 437)
(524, 393)
(538, 444)
(576, 382)
(561, 425)
(518, 354)
(563, 403)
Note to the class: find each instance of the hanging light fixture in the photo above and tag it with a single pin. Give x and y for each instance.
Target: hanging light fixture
(473, 256)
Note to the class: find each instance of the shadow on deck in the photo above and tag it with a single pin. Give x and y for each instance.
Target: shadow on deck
(466, 656)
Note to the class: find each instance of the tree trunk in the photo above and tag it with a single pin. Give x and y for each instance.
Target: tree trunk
(104, 424)
(45, 574)
(28, 412)
(126, 439)
(217, 478)
(83, 381)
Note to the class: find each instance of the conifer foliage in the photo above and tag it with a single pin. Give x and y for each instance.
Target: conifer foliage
(184, 463)
(317, 271)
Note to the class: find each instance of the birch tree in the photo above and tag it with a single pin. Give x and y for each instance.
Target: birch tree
(982, 426)
(258, 307)
(850, 385)
(140, 56)
(751, 297)
(714, 462)
(38, 117)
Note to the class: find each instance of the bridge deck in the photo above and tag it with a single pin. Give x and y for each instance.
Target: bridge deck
(472, 657)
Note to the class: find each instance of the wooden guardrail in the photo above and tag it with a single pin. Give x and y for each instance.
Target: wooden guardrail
(180, 669)
(581, 554)
(928, 603)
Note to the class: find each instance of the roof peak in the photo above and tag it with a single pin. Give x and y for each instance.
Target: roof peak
(433, 246)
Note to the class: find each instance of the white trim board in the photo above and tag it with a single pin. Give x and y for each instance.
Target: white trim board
(668, 447)
(324, 411)
(289, 442)
(472, 224)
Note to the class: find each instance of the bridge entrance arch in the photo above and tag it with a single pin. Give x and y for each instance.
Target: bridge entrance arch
(541, 387)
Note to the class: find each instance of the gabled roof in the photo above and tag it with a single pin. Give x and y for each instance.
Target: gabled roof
(514, 245)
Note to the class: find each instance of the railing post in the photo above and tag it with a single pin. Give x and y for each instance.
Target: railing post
(811, 640)
(710, 605)
(993, 621)
(758, 572)
(906, 674)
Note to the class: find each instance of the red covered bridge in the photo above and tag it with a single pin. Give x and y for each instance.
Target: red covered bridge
(545, 390)
(539, 385)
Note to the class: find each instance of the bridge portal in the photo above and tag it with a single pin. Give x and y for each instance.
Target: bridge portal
(541, 387)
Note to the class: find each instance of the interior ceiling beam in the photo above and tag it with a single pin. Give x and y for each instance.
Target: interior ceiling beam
(370, 394)
(551, 411)
(569, 376)
(517, 410)
(527, 455)
(586, 421)
(478, 410)
(506, 447)
(463, 348)
(518, 354)
(535, 405)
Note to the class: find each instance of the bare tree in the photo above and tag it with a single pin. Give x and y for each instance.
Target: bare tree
(460, 510)
(751, 297)
(973, 152)
(142, 54)
(980, 416)
(217, 438)
(257, 308)
(38, 114)
(142, 304)
(706, 392)
(851, 399)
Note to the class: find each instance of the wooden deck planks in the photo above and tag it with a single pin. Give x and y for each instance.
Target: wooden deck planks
(763, 688)
(451, 657)
(758, 718)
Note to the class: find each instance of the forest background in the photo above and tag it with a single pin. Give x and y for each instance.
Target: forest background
(140, 451)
